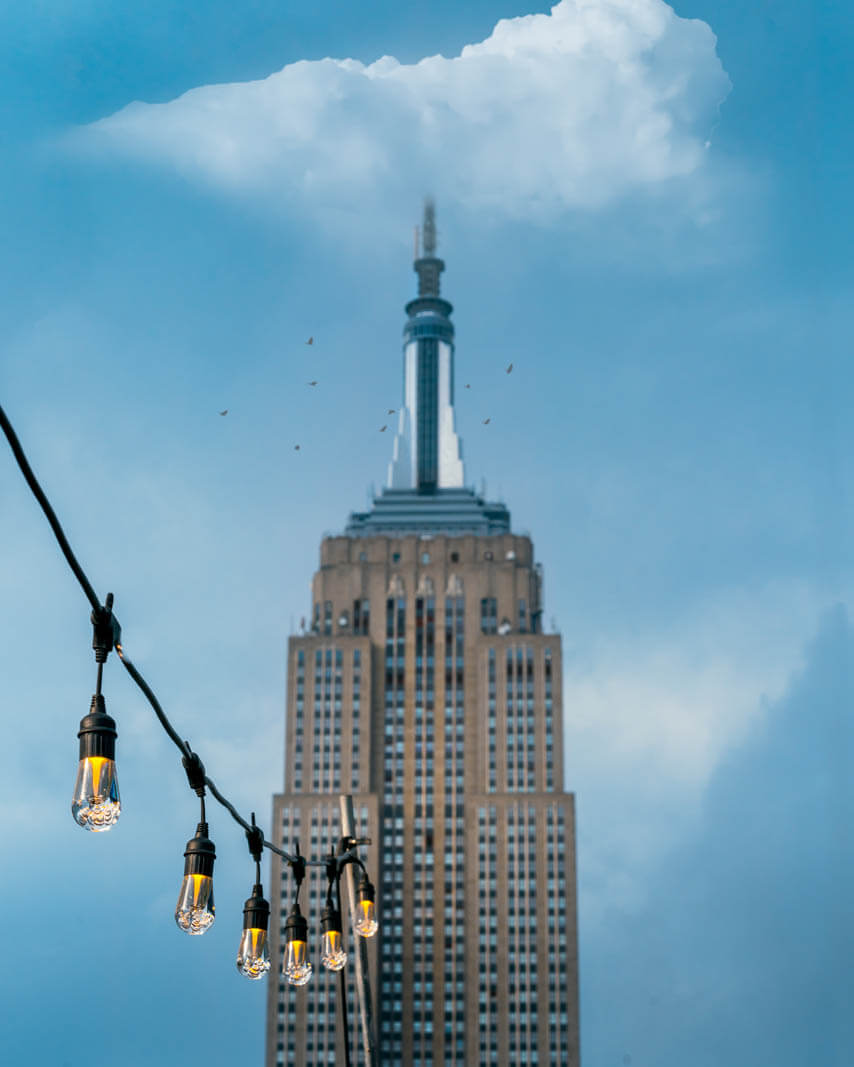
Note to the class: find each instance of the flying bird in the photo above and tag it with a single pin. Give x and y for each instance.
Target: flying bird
(468, 386)
(391, 411)
(509, 367)
(383, 428)
(311, 383)
(310, 341)
(224, 412)
(296, 448)
(486, 422)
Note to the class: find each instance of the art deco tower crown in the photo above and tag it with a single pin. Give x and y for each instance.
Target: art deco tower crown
(426, 489)
(427, 453)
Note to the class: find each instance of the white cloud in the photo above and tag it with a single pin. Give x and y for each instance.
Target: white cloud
(574, 109)
(649, 720)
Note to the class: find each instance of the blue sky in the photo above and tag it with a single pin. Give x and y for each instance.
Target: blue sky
(654, 229)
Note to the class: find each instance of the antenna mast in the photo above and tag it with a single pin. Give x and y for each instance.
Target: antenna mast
(429, 227)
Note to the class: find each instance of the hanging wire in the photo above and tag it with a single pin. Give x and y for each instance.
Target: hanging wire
(99, 610)
(44, 503)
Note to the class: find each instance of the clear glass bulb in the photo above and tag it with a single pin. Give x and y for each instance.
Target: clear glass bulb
(332, 955)
(194, 912)
(297, 966)
(253, 957)
(95, 804)
(366, 919)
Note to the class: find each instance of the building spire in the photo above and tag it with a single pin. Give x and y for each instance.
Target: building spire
(427, 266)
(429, 227)
(427, 452)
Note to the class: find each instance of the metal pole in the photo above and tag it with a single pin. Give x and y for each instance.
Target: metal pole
(363, 979)
(342, 986)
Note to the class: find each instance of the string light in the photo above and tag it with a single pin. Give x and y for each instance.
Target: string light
(332, 954)
(96, 804)
(194, 912)
(366, 917)
(253, 953)
(296, 966)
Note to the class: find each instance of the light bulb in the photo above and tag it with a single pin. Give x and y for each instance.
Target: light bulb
(333, 957)
(194, 912)
(296, 965)
(332, 954)
(253, 955)
(366, 924)
(95, 804)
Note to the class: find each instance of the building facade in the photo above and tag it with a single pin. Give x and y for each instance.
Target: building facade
(425, 686)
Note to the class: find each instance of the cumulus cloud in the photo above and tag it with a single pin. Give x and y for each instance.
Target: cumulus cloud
(742, 952)
(650, 720)
(575, 109)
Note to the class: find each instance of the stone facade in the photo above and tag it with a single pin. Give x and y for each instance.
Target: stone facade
(425, 686)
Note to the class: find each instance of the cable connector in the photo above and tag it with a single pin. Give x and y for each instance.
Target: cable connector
(106, 633)
(297, 865)
(255, 840)
(195, 771)
(349, 843)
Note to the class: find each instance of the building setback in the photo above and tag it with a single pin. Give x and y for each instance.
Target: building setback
(426, 687)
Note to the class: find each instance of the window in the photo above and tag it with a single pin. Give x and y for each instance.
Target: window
(428, 414)
(361, 616)
(489, 615)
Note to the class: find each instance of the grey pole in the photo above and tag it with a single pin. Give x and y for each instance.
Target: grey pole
(360, 947)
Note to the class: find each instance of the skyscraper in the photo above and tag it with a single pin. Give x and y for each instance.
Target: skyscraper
(426, 686)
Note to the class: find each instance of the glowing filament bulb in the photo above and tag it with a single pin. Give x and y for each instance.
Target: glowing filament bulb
(332, 954)
(296, 966)
(253, 955)
(194, 912)
(365, 923)
(95, 804)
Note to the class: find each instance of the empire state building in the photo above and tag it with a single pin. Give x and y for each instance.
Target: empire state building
(427, 687)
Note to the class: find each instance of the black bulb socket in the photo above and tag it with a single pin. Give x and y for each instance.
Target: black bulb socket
(97, 731)
(330, 920)
(366, 889)
(296, 928)
(199, 855)
(256, 911)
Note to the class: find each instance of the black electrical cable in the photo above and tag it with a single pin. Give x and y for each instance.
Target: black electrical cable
(152, 699)
(91, 596)
(44, 503)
